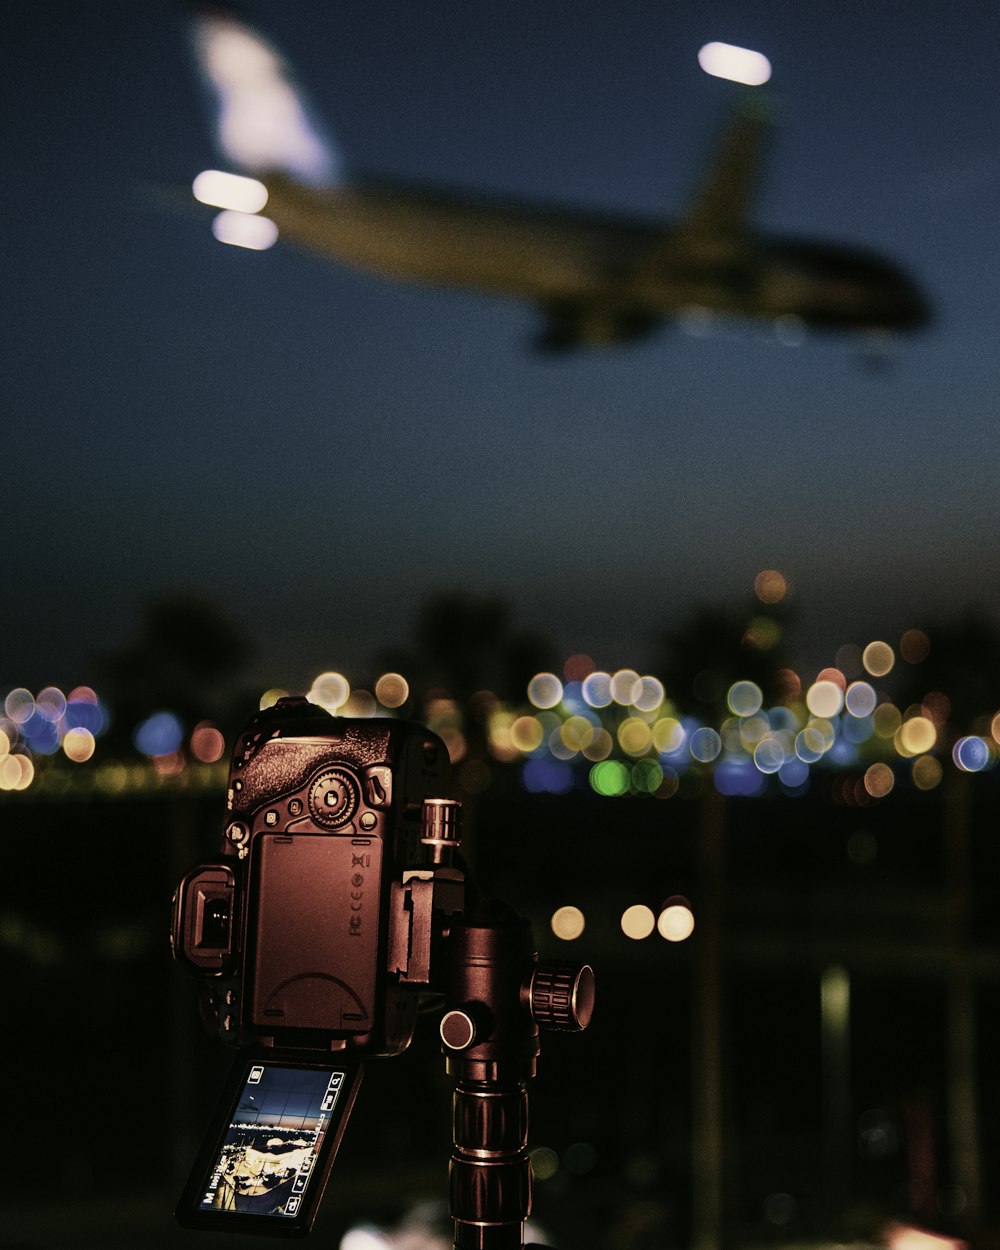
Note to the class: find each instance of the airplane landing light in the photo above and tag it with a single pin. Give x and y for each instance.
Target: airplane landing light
(724, 60)
(222, 190)
(245, 230)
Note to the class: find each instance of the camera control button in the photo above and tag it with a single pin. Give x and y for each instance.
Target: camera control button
(378, 785)
(238, 833)
(368, 821)
(458, 1030)
(333, 798)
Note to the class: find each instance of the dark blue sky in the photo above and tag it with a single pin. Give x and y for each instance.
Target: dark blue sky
(315, 448)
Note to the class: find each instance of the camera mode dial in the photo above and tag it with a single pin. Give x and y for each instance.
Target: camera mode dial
(333, 798)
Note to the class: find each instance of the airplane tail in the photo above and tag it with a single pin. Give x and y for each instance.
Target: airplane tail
(724, 201)
(263, 121)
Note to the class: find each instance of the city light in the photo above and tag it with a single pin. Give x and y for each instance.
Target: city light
(330, 691)
(675, 922)
(392, 690)
(613, 732)
(638, 922)
(878, 659)
(568, 923)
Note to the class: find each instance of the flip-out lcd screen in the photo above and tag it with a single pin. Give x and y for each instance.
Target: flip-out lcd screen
(274, 1139)
(264, 1165)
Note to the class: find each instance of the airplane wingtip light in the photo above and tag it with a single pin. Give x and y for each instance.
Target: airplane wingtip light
(742, 65)
(224, 190)
(245, 230)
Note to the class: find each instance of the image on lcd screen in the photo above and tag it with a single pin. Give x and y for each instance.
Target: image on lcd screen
(272, 1143)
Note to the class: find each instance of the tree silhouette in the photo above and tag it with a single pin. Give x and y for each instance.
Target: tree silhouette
(464, 643)
(186, 658)
(715, 646)
(963, 663)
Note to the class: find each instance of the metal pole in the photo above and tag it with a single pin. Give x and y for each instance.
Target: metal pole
(835, 1016)
(707, 1144)
(963, 1116)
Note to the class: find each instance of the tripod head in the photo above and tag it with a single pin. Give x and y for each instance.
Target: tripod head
(338, 908)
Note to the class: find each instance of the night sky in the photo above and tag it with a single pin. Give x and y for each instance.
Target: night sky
(315, 449)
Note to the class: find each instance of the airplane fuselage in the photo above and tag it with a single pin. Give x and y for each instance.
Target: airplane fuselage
(605, 279)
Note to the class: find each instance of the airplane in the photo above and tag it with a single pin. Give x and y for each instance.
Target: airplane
(597, 279)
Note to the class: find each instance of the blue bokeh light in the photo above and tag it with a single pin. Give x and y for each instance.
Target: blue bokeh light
(160, 734)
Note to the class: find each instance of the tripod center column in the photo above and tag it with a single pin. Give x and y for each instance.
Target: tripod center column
(490, 1174)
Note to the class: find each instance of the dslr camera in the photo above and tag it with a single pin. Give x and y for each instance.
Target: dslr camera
(312, 935)
(336, 909)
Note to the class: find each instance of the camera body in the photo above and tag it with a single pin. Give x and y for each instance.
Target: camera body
(303, 929)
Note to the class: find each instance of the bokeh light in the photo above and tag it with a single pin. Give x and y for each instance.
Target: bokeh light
(647, 694)
(916, 736)
(675, 922)
(914, 646)
(745, 698)
(392, 690)
(634, 736)
(645, 776)
(243, 230)
(886, 720)
(19, 705)
(568, 923)
(742, 65)
(860, 699)
(600, 745)
(219, 189)
(544, 1163)
(609, 778)
(360, 705)
(972, 754)
(78, 745)
(527, 734)
(622, 686)
(927, 772)
(330, 691)
(879, 780)
(207, 743)
(51, 704)
(158, 735)
(769, 755)
(878, 659)
(825, 698)
(668, 735)
(17, 772)
(545, 690)
(770, 586)
(705, 745)
(596, 689)
(576, 733)
(638, 922)
(578, 667)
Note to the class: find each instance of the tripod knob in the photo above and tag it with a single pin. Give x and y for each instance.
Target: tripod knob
(441, 828)
(561, 996)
